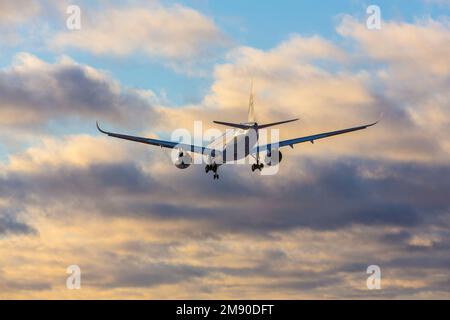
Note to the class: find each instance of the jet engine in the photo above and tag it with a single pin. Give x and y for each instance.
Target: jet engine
(273, 157)
(183, 161)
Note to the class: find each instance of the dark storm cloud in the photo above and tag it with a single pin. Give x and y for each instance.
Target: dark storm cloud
(135, 270)
(151, 275)
(321, 281)
(339, 197)
(34, 92)
(408, 195)
(424, 261)
(396, 237)
(26, 285)
(155, 275)
(411, 197)
(10, 225)
(84, 184)
(404, 240)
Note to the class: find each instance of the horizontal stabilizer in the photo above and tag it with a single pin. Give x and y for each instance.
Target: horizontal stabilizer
(275, 123)
(234, 125)
(251, 126)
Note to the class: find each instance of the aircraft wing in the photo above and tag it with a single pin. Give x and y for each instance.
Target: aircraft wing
(161, 143)
(311, 138)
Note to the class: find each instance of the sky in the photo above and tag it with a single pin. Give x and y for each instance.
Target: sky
(140, 228)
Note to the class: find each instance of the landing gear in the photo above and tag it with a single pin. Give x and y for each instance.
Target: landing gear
(257, 166)
(213, 168)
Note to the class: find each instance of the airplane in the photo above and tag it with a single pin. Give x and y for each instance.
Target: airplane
(243, 137)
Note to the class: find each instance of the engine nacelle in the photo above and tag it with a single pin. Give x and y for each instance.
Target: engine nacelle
(273, 158)
(183, 161)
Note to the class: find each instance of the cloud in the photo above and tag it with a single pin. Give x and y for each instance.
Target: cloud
(168, 262)
(176, 33)
(71, 90)
(15, 12)
(414, 72)
(10, 225)
(79, 169)
(325, 89)
(135, 225)
(153, 275)
(13, 16)
(72, 151)
(401, 44)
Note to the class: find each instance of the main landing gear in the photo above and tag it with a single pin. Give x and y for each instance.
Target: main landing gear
(257, 166)
(213, 168)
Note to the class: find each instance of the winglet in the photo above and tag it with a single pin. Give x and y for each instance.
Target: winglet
(99, 129)
(378, 121)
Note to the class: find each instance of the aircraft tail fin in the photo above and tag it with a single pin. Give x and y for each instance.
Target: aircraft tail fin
(251, 106)
(251, 121)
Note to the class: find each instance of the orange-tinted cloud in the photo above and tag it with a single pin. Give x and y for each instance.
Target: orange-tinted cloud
(140, 228)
